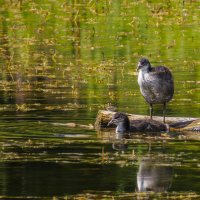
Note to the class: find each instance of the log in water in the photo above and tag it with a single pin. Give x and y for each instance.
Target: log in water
(174, 123)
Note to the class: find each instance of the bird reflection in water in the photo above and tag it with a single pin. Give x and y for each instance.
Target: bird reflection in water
(153, 175)
(120, 144)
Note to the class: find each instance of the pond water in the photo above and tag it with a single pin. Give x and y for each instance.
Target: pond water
(63, 61)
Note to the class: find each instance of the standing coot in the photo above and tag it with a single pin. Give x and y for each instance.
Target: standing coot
(156, 84)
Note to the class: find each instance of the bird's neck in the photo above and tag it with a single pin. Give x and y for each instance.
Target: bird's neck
(123, 127)
(146, 69)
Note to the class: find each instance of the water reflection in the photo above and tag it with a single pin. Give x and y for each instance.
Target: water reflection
(120, 141)
(120, 146)
(70, 168)
(154, 175)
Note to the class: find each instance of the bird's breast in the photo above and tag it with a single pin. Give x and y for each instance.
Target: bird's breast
(153, 88)
(140, 78)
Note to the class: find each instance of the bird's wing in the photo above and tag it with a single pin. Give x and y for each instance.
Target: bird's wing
(160, 80)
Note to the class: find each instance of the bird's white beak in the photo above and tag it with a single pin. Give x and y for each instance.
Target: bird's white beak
(139, 66)
(110, 122)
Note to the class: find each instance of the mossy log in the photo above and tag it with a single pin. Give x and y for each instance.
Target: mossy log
(174, 123)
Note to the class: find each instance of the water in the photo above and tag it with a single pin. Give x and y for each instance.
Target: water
(62, 61)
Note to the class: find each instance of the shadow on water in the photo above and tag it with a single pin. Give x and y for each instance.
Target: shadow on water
(47, 179)
(120, 172)
(111, 166)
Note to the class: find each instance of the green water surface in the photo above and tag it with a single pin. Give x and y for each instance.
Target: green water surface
(61, 62)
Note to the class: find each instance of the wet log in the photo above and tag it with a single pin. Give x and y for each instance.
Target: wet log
(174, 123)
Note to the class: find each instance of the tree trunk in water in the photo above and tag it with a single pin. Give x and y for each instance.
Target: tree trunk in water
(175, 123)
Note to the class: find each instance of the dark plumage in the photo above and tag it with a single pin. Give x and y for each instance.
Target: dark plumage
(156, 84)
(121, 121)
(125, 126)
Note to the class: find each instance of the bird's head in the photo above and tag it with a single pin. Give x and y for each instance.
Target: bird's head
(144, 65)
(118, 118)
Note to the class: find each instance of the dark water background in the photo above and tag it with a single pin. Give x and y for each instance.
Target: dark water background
(62, 61)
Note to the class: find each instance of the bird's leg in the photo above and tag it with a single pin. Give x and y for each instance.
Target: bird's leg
(151, 110)
(164, 111)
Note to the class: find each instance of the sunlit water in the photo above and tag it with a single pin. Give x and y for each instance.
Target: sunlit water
(62, 61)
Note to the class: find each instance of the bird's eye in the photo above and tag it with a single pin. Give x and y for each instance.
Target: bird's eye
(117, 117)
